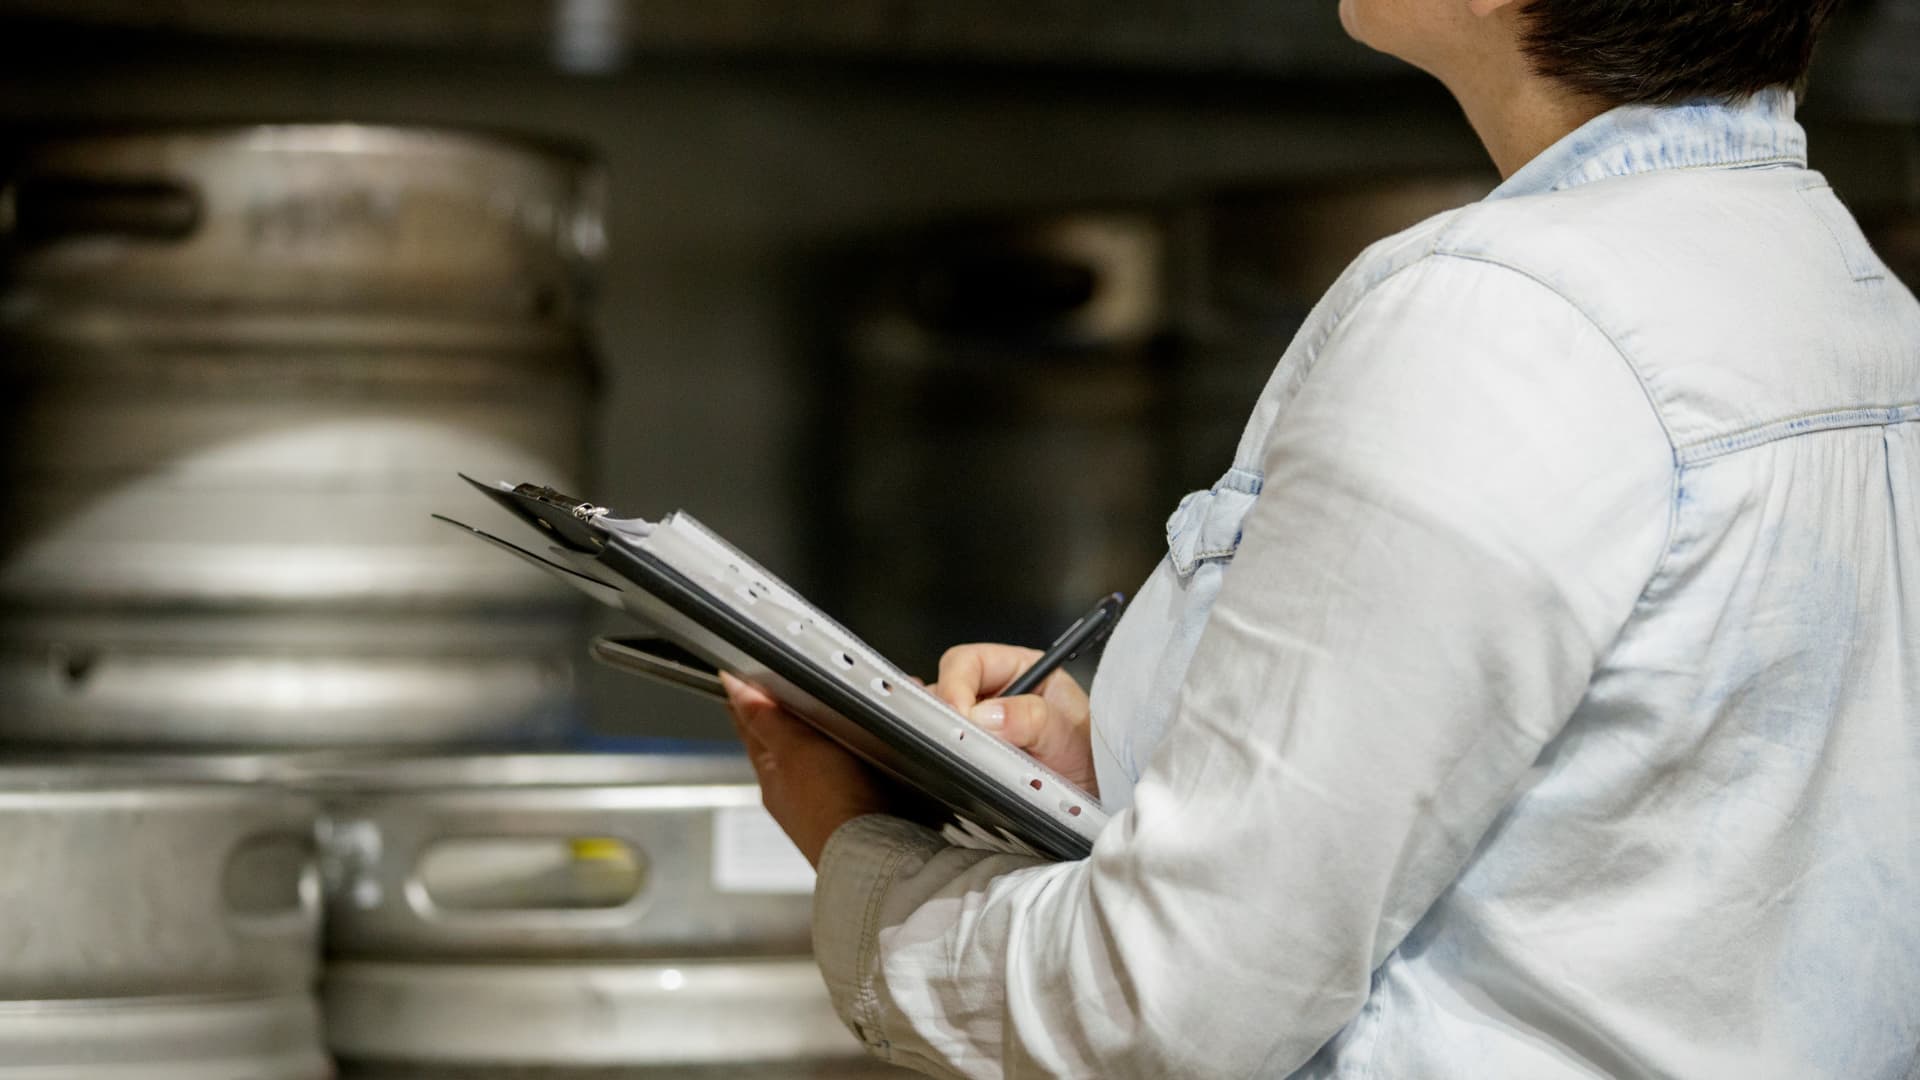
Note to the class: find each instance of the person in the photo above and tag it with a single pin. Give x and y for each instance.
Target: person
(1538, 693)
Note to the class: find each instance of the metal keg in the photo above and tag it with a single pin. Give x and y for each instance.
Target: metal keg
(156, 926)
(402, 224)
(241, 369)
(623, 913)
(589, 856)
(760, 1018)
(1019, 362)
(229, 1038)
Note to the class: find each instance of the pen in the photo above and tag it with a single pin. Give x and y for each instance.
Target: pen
(1089, 629)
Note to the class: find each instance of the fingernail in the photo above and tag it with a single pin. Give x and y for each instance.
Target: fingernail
(990, 715)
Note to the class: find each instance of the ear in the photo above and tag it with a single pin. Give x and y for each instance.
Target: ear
(1484, 8)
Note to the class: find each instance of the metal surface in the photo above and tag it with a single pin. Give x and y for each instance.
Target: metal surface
(124, 882)
(835, 1069)
(265, 1038)
(146, 475)
(1057, 321)
(735, 1013)
(306, 219)
(549, 857)
(138, 679)
(356, 775)
(240, 369)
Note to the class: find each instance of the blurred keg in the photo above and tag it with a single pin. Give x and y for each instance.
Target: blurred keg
(997, 390)
(240, 369)
(242, 1038)
(599, 856)
(156, 927)
(507, 914)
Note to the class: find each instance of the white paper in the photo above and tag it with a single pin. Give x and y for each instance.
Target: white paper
(752, 855)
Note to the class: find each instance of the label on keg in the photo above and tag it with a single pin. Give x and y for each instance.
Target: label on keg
(752, 855)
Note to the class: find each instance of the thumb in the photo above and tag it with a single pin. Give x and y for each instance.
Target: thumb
(1022, 721)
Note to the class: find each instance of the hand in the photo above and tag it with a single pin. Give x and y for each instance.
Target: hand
(1053, 725)
(809, 783)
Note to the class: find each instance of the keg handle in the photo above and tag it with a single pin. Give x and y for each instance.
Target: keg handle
(39, 209)
(270, 883)
(559, 878)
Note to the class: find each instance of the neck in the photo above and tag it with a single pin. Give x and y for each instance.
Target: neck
(1518, 114)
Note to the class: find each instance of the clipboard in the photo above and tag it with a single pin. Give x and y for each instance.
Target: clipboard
(663, 662)
(687, 584)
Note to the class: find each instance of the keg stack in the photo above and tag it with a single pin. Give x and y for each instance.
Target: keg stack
(280, 719)
(241, 369)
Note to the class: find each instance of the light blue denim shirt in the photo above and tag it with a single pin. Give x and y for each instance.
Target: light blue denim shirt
(1537, 695)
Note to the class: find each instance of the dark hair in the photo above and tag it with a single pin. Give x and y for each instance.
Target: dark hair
(1628, 52)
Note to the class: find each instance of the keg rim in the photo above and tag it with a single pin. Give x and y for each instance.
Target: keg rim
(387, 1011)
(31, 781)
(12, 1008)
(518, 770)
(277, 1035)
(451, 139)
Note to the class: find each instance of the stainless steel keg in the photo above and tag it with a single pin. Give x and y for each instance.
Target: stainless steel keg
(242, 368)
(157, 926)
(763, 1018)
(274, 1037)
(625, 913)
(124, 883)
(397, 224)
(557, 856)
(1056, 320)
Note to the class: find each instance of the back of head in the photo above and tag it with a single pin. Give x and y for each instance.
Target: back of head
(1654, 52)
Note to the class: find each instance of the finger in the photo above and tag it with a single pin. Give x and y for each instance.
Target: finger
(743, 727)
(745, 701)
(959, 679)
(746, 704)
(971, 672)
(1022, 721)
(783, 732)
(743, 694)
(1031, 724)
(766, 724)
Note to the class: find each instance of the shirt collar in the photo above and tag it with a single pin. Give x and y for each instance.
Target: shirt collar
(1759, 130)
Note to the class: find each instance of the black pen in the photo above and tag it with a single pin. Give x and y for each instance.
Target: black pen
(1088, 630)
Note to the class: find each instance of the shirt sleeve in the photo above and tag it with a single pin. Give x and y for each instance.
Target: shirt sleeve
(1462, 506)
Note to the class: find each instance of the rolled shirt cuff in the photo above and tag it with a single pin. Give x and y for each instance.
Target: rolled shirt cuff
(861, 861)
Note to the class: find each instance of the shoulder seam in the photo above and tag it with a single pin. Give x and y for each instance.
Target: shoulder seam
(1338, 317)
(1639, 377)
(1675, 473)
